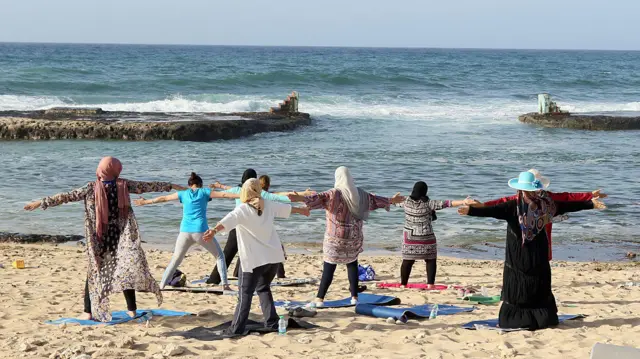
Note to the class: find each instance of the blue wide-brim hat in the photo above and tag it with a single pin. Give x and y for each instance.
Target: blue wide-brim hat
(526, 181)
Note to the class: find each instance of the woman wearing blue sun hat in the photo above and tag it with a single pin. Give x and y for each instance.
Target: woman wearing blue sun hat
(526, 289)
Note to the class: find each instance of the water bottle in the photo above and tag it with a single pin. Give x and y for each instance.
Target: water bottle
(484, 291)
(282, 326)
(434, 312)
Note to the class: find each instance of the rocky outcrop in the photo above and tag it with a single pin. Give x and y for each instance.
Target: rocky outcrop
(582, 122)
(94, 123)
(6, 237)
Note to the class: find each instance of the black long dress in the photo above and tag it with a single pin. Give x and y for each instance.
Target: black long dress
(528, 301)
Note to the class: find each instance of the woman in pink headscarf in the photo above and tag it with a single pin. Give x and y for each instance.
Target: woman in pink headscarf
(116, 260)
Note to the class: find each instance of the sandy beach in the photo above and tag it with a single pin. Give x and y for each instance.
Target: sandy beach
(52, 286)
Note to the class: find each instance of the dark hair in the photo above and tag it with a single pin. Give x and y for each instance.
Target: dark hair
(194, 179)
(248, 174)
(265, 182)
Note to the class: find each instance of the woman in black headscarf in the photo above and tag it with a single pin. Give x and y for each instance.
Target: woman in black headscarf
(418, 240)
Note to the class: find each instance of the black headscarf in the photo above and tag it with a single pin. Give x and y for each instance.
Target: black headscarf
(419, 193)
(248, 174)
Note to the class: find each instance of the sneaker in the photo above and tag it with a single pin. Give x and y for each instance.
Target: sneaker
(354, 301)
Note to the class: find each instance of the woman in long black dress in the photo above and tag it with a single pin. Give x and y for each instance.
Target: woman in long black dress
(528, 301)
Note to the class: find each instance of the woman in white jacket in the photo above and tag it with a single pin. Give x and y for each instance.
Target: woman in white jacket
(259, 250)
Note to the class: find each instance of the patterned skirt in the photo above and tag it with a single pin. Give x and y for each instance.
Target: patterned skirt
(422, 249)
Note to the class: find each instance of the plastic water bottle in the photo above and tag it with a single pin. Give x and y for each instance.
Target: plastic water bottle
(282, 326)
(434, 312)
(484, 291)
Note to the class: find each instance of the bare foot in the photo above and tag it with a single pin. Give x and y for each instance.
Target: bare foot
(430, 286)
(85, 316)
(131, 314)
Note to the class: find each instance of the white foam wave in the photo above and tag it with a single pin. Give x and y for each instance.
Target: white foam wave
(494, 110)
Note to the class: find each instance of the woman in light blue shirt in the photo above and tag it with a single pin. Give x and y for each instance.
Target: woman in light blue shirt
(194, 223)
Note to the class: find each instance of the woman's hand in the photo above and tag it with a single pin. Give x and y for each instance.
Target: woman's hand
(140, 201)
(397, 198)
(470, 201)
(598, 194)
(308, 192)
(463, 211)
(295, 197)
(597, 204)
(305, 211)
(208, 235)
(33, 205)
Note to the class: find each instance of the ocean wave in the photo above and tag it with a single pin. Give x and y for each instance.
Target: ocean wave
(336, 106)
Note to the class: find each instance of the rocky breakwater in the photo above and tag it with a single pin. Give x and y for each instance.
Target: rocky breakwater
(94, 123)
(582, 122)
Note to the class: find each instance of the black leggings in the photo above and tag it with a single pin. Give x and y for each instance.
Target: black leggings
(129, 296)
(327, 278)
(405, 271)
(230, 250)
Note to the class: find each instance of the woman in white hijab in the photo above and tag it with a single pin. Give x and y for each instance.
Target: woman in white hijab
(347, 207)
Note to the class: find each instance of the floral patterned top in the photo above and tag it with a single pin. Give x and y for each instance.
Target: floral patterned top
(343, 238)
(112, 271)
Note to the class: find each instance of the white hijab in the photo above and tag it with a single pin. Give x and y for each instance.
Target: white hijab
(357, 199)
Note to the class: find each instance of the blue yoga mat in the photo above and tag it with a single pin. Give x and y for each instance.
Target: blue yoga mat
(363, 298)
(120, 317)
(419, 312)
(493, 323)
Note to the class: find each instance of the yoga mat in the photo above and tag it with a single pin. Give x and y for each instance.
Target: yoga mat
(363, 298)
(274, 283)
(492, 324)
(216, 291)
(422, 286)
(217, 333)
(419, 312)
(479, 299)
(120, 317)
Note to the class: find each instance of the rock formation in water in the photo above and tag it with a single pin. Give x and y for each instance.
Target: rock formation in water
(6, 237)
(94, 123)
(582, 122)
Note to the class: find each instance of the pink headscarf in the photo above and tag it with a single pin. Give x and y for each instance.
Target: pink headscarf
(108, 170)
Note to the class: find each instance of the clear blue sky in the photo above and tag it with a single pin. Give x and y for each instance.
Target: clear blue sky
(542, 24)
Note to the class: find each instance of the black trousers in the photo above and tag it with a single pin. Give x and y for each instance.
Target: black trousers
(327, 277)
(230, 250)
(258, 281)
(129, 296)
(405, 271)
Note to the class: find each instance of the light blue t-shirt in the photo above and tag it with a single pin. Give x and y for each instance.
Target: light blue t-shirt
(264, 194)
(194, 209)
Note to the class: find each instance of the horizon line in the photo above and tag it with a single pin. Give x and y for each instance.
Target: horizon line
(317, 46)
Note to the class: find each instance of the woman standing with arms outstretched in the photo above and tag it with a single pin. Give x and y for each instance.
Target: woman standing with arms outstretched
(117, 262)
(193, 226)
(347, 207)
(259, 249)
(527, 299)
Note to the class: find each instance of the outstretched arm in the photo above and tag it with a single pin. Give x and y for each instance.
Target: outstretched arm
(463, 202)
(139, 187)
(563, 207)
(500, 211)
(306, 193)
(161, 199)
(76, 195)
(215, 194)
(305, 211)
(219, 185)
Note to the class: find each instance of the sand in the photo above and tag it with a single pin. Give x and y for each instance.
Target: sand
(52, 286)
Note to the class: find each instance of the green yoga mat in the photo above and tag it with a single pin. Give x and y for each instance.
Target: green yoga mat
(480, 299)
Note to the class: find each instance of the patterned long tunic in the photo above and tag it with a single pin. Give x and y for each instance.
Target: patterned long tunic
(418, 239)
(113, 265)
(343, 237)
